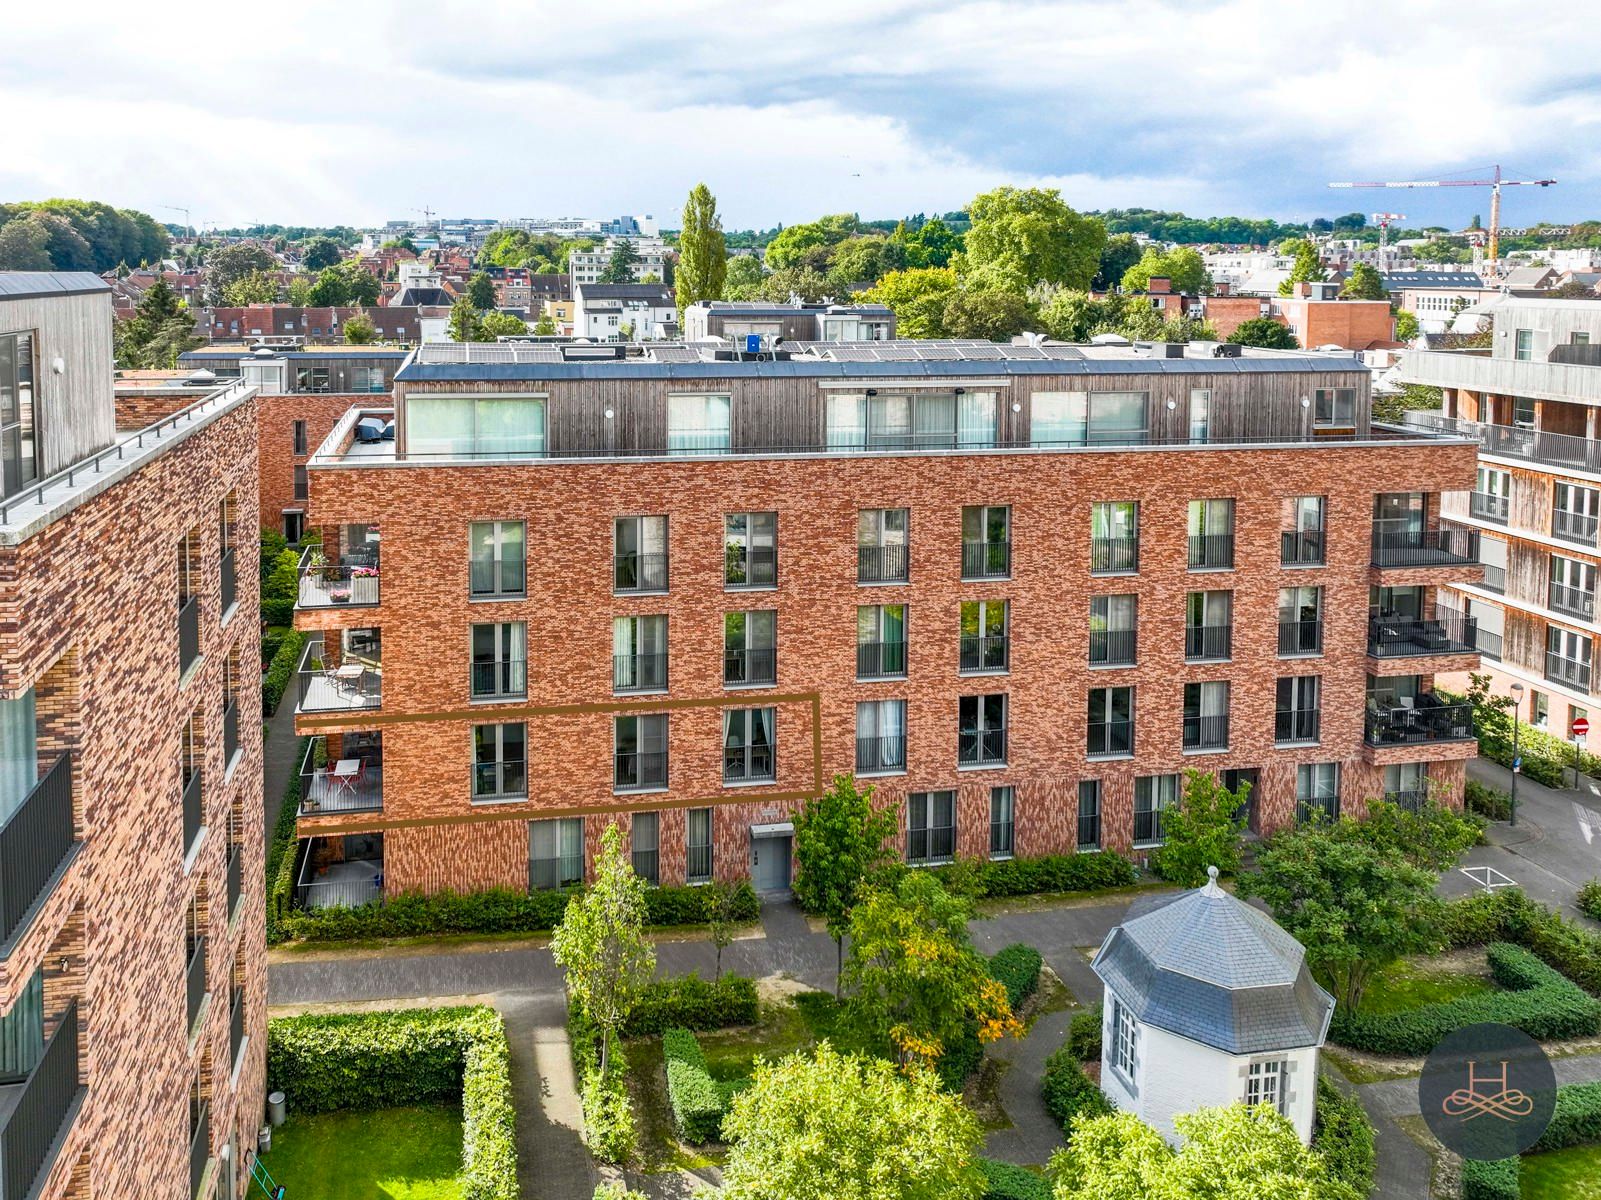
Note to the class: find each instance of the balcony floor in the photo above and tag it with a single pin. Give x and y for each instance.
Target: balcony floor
(344, 885)
(325, 694)
(324, 795)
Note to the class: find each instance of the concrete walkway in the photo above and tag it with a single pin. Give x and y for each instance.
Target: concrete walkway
(278, 756)
(552, 1160)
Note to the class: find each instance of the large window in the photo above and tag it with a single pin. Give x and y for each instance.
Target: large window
(1301, 531)
(300, 437)
(1125, 1041)
(982, 724)
(1111, 721)
(1211, 526)
(639, 654)
(1567, 657)
(1206, 715)
(880, 641)
(1574, 512)
(500, 761)
(1003, 802)
(1300, 621)
(22, 1032)
(698, 843)
(1407, 784)
(750, 647)
(499, 660)
(911, 421)
(983, 636)
(748, 745)
(1208, 626)
(1264, 1084)
(1088, 418)
(1089, 814)
(986, 541)
(555, 853)
(1296, 708)
(880, 736)
(750, 550)
(1317, 791)
(1113, 625)
(1523, 345)
(645, 842)
(475, 426)
(930, 827)
(1200, 415)
(498, 558)
(1114, 537)
(639, 752)
(698, 424)
(639, 554)
(1153, 795)
(18, 447)
(1334, 408)
(881, 552)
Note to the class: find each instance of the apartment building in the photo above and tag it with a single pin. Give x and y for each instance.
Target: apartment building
(1018, 589)
(132, 971)
(737, 320)
(1533, 402)
(587, 266)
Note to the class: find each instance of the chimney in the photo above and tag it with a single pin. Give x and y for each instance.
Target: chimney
(1221, 288)
(1159, 284)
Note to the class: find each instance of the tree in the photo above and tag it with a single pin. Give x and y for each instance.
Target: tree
(931, 244)
(255, 288)
(1232, 1153)
(1120, 253)
(721, 901)
(792, 283)
(320, 252)
(620, 267)
(1391, 408)
(1202, 831)
(917, 297)
(230, 263)
(743, 278)
(1307, 267)
(160, 329)
(865, 259)
(481, 291)
(1023, 236)
(331, 288)
(545, 326)
(300, 291)
(361, 286)
(498, 325)
(702, 250)
(601, 943)
(466, 325)
(25, 246)
(1182, 266)
(1572, 290)
(840, 841)
(1364, 283)
(1406, 325)
(833, 1125)
(1350, 223)
(1266, 333)
(916, 983)
(990, 314)
(1432, 836)
(360, 331)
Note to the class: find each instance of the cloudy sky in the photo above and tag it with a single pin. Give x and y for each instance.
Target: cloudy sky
(356, 111)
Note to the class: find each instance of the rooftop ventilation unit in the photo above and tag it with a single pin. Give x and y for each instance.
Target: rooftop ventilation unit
(1227, 350)
(1160, 349)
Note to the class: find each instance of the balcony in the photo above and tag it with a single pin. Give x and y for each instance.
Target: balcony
(1112, 647)
(324, 584)
(880, 660)
(1206, 733)
(1297, 724)
(877, 755)
(1424, 719)
(36, 842)
(639, 672)
(750, 667)
(342, 872)
(35, 1113)
(193, 798)
(750, 566)
(1399, 543)
(1488, 507)
(199, 1145)
(750, 764)
(1211, 552)
(1494, 578)
(986, 560)
(1505, 441)
(351, 686)
(1300, 638)
(639, 770)
(983, 655)
(1578, 528)
(498, 679)
(881, 564)
(351, 783)
(1301, 549)
(1489, 645)
(1110, 739)
(188, 633)
(634, 573)
(1446, 632)
(1208, 642)
(981, 747)
(229, 578)
(1571, 672)
(230, 729)
(195, 977)
(1114, 555)
(1572, 601)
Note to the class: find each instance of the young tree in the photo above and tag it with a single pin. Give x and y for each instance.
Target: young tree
(620, 267)
(160, 329)
(498, 324)
(360, 331)
(300, 291)
(1307, 267)
(743, 279)
(601, 943)
(1266, 333)
(1364, 283)
(1023, 236)
(466, 325)
(481, 291)
(917, 298)
(833, 1125)
(702, 250)
(840, 841)
(719, 897)
(545, 326)
(1406, 325)
(255, 288)
(1202, 831)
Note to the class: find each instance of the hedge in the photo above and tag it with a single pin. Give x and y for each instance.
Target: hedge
(1017, 967)
(608, 1112)
(1003, 1181)
(1068, 1091)
(280, 873)
(1538, 1000)
(1507, 915)
(1084, 1033)
(278, 611)
(1576, 1121)
(1342, 1134)
(690, 1002)
(982, 878)
(698, 1103)
(1495, 1180)
(408, 1056)
(281, 670)
(1545, 756)
(1589, 900)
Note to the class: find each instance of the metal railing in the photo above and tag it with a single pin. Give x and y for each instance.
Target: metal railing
(1426, 720)
(1397, 543)
(1089, 831)
(986, 560)
(880, 660)
(327, 585)
(1489, 645)
(881, 564)
(1447, 632)
(29, 1131)
(505, 677)
(1576, 602)
(752, 665)
(881, 754)
(192, 795)
(639, 672)
(323, 790)
(1556, 449)
(352, 685)
(981, 747)
(1206, 733)
(1411, 799)
(1147, 826)
(639, 572)
(34, 841)
(1211, 551)
(750, 566)
(1297, 724)
(636, 769)
(1300, 637)
(1114, 555)
(1302, 548)
(199, 1147)
(195, 977)
(698, 865)
(1208, 641)
(931, 844)
(1573, 527)
(506, 779)
(549, 874)
(228, 577)
(188, 633)
(1113, 647)
(1494, 578)
(1570, 671)
(984, 653)
(497, 577)
(647, 864)
(1110, 737)
(230, 729)
(750, 764)
(236, 876)
(1489, 507)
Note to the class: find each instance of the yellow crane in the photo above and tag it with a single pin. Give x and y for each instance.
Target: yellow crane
(1495, 183)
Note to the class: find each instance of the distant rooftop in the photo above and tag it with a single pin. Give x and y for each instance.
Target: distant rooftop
(763, 308)
(28, 285)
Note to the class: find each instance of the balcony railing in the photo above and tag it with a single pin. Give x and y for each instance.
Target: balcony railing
(1211, 551)
(329, 585)
(1304, 548)
(981, 747)
(753, 665)
(199, 1147)
(1206, 733)
(195, 976)
(498, 577)
(750, 764)
(639, 672)
(881, 754)
(193, 808)
(984, 653)
(1573, 527)
(236, 876)
(986, 560)
(1555, 449)
(352, 685)
(1575, 602)
(34, 841)
(1147, 826)
(42, 1102)
(1446, 632)
(353, 784)
(1570, 671)
(1425, 720)
(1489, 645)
(1398, 543)
(750, 566)
(1489, 507)
(1297, 725)
(506, 779)
(1300, 637)
(1494, 578)
(228, 575)
(880, 660)
(634, 770)
(698, 865)
(1113, 647)
(647, 864)
(1208, 641)
(1114, 555)
(188, 633)
(639, 572)
(230, 729)
(881, 564)
(1410, 799)
(1089, 831)
(236, 1025)
(1110, 737)
(505, 678)
(931, 845)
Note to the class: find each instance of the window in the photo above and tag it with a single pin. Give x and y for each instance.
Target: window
(1264, 1084)
(1200, 415)
(1539, 709)
(698, 425)
(880, 641)
(1211, 534)
(1296, 708)
(1300, 621)
(367, 380)
(1111, 721)
(1089, 814)
(18, 444)
(930, 827)
(748, 745)
(1301, 526)
(313, 379)
(497, 567)
(294, 526)
(1153, 794)
(644, 836)
(1572, 587)
(1002, 803)
(1567, 657)
(1088, 418)
(639, 654)
(1125, 1041)
(981, 721)
(22, 1032)
(750, 550)
(983, 636)
(1579, 337)
(1113, 622)
(911, 421)
(986, 542)
(881, 736)
(555, 853)
(639, 752)
(474, 426)
(1523, 348)
(1317, 791)
(639, 554)
(1206, 716)
(1114, 537)
(881, 551)
(302, 484)
(750, 647)
(499, 660)
(698, 843)
(1406, 784)
(1208, 625)
(1334, 408)
(1492, 495)
(500, 761)
(300, 437)
(1522, 412)
(1574, 512)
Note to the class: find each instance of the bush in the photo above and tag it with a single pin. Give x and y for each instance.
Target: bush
(1576, 1121)
(282, 582)
(698, 1103)
(280, 873)
(1545, 756)
(687, 905)
(690, 1002)
(1508, 915)
(1544, 1004)
(1017, 967)
(1084, 1034)
(1069, 1092)
(1589, 899)
(1342, 1134)
(278, 611)
(1488, 802)
(1496, 1180)
(281, 670)
(1051, 873)
(1003, 1181)
(959, 1060)
(408, 1056)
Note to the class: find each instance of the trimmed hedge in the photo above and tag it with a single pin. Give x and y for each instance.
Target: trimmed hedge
(690, 1002)
(408, 1056)
(1342, 1134)
(1068, 1091)
(1497, 1180)
(278, 611)
(1084, 1033)
(982, 878)
(698, 1103)
(1576, 1121)
(1508, 915)
(608, 1112)
(281, 670)
(1003, 1181)
(1538, 1000)
(280, 873)
(1017, 967)
(1589, 900)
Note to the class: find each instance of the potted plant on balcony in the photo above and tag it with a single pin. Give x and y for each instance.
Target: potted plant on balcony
(340, 594)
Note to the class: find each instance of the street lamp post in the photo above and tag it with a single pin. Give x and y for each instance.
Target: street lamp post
(1517, 760)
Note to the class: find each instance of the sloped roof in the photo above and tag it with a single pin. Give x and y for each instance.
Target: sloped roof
(20, 285)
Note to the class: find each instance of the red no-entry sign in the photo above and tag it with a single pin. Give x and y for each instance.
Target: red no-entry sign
(1581, 726)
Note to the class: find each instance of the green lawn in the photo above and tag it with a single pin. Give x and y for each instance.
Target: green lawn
(1409, 984)
(1571, 1174)
(387, 1154)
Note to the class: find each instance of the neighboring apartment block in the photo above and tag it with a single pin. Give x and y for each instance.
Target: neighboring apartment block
(587, 266)
(1018, 589)
(1533, 401)
(132, 969)
(737, 320)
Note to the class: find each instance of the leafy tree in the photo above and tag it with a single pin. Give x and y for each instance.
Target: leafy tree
(1433, 837)
(1406, 325)
(1232, 1153)
(25, 245)
(1391, 409)
(991, 314)
(1364, 283)
(481, 291)
(917, 297)
(865, 259)
(466, 323)
(833, 1125)
(792, 282)
(1202, 830)
(321, 252)
(1307, 267)
(1121, 252)
(361, 286)
(793, 247)
(620, 267)
(840, 841)
(916, 983)
(1266, 333)
(1023, 236)
(498, 325)
(702, 250)
(721, 906)
(331, 289)
(743, 279)
(1183, 267)
(228, 264)
(1572, 290)
(931, 244)
(255, 288)
(360, 331)
(160, 329)
(601, 942)
(545, 327)
(1350, 223)
(300, 291)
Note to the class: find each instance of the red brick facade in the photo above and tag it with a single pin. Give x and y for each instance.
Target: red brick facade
(276, 437)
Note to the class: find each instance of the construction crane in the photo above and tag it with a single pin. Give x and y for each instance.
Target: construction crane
(1383, 220)
(1495, 183)
(188, 225)
(427, 215)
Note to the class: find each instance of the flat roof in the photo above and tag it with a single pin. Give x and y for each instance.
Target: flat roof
(28, 285)
(233, 353)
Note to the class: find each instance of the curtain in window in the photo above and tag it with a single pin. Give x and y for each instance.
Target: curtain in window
(1214, 700)
(510, 427)
(975, 419)
(934, 421)
(1117, 417)
(19, 760)
(22, 1032)
(1057, 419)
(439, 425)
(847, 422)
(697, 423)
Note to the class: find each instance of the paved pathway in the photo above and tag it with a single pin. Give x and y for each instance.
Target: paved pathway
(551, 1158)
(279, 758)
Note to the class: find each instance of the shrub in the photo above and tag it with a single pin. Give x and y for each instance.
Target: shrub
(1017, 967)
(1589, 899)
(280, 873)
(1084, 1034)
(698, 1103)
(1069, 1092)
(1003, 1181)
(690, 1002)
(1576, 1120)
(1545, 756)
(281, 670)
(282, 582)
(608, 1114)
(1342, 1134)
(278, 611)
(1537, 1000)
(1050, 873)
(959, 1060)
(408, 1056)
(1508, 915)
(1495, 1180)
(687, 905)
(1488, 802)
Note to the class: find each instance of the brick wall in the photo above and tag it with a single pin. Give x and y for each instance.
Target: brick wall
(276, 438)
